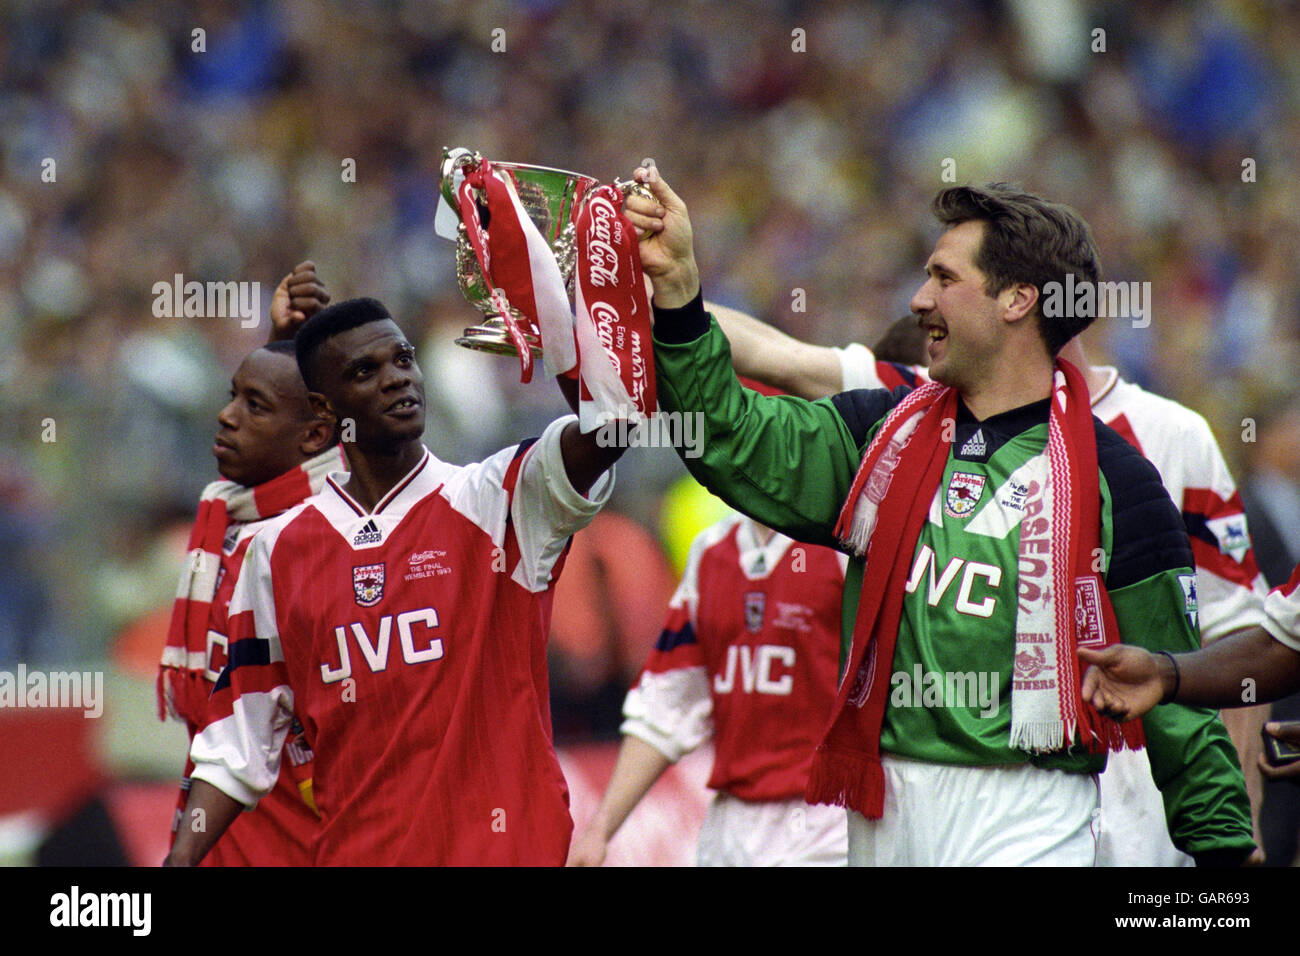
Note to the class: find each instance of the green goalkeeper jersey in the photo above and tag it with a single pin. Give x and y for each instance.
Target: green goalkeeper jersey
(790, 463)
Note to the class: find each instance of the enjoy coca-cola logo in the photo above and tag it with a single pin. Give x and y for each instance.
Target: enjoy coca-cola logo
(603, 233)
(608, 326)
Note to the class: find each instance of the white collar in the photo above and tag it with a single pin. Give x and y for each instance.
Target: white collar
(341, 509)
(1112, 379)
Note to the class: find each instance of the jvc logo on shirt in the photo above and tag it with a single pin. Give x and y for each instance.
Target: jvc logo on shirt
(756, 670)
(375, 651)
(76, 909)
(938, 586)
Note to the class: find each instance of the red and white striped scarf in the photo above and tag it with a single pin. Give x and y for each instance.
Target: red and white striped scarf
(908, 456)
(182, 688)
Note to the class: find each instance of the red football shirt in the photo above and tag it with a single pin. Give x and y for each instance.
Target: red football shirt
(411, 642)
(281, 830)
(749, 656)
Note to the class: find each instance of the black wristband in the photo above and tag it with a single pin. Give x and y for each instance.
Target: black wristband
(683, 324)
(1169, 698)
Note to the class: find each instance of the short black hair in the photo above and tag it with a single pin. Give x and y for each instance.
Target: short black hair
(904, 342)
(329, 322)
(1026, 239)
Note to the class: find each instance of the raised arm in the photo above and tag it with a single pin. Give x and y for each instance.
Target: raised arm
(768, 355)
(585, 459)
(298, 297)
(786, 462)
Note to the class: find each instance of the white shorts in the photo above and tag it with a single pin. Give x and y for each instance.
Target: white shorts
(772, 833)
(942, 815)
(1133, 827)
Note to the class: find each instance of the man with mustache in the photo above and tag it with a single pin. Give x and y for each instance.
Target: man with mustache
(1006, 528)
(1178, 441)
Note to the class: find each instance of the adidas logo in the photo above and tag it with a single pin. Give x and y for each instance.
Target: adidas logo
(975, 446)
(760, 565)
(368, 535)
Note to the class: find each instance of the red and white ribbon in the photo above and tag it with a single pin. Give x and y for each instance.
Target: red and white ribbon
(520, 270)
(616, 360)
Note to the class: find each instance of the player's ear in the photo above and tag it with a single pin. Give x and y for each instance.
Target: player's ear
(1018, 301)
(317, 435)
(320, 406)
(321, 431)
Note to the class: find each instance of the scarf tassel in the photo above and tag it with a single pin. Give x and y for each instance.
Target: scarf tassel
(181, 693)
(1039, 736)
(852, 780)
(1100, 734)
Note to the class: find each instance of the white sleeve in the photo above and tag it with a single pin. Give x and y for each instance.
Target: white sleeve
(671, 707)
(858, 367)
(238, 751)
(547, 509)
(1282, 612)
(544, 511)
(671, 711)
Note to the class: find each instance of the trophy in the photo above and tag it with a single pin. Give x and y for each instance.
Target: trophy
(551, 198)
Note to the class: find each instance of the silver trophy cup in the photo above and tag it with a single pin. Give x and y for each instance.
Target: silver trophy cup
(551, 198)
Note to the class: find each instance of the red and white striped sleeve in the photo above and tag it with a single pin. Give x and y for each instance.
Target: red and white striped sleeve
(1181, 445)
(251, 708)
(671, 708)
(1282, 612)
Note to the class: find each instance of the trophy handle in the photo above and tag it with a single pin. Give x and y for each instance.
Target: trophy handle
(452, 160)
(629, 186)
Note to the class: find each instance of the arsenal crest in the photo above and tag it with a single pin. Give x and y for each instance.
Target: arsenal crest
(368, 584)
(755, 603)
(1030, 663)
(964, 491)
(1087, 613)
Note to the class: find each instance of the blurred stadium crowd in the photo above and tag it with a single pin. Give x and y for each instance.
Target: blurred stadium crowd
(808, 172)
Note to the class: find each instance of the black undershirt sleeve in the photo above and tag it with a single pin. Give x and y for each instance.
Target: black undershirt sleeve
(862, 408)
